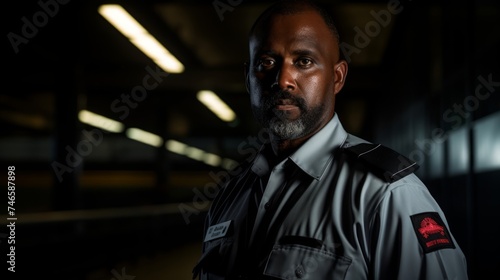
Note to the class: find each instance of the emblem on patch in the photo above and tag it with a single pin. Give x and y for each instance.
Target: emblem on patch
(431, 232)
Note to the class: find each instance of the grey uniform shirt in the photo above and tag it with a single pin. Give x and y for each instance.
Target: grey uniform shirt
(334, 219)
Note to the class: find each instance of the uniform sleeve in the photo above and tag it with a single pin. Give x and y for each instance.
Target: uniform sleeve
(411, 238)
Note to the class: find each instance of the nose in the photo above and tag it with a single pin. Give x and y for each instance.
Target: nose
(284, 79)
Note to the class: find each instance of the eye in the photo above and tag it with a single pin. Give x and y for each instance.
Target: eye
(266, 62)
(304, 62)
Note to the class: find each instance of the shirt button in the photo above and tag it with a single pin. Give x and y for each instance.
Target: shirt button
(267, 205)
(299, 272)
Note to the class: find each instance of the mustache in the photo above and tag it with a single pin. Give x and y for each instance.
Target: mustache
(273, 98)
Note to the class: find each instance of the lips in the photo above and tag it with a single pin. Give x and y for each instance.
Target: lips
(285, 104)
(286, 107)
(285, 101)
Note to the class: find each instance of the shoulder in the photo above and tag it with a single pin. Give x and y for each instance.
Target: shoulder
(382, 161)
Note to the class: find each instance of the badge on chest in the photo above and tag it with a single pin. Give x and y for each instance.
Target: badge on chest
(218, 231)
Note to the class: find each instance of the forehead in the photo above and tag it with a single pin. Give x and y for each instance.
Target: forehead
(305, 28)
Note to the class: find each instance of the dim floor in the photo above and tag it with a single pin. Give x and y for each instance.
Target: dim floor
(176, 264)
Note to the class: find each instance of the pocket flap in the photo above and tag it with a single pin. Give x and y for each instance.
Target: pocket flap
(295, 261)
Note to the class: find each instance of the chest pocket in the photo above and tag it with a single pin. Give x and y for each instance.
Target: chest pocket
(296, 261)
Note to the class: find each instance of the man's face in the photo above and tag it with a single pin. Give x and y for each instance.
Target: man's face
(291, 75)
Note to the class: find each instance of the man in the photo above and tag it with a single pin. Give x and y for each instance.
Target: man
(316, 202)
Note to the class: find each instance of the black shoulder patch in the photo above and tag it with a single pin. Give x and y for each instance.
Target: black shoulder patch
(432, 233)
(383, 161)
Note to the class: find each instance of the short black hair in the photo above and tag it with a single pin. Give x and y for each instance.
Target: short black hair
(291, 7)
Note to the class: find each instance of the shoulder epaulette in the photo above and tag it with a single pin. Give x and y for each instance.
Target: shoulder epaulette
(382, 161)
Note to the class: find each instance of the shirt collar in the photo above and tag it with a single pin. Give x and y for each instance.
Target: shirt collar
(314, 155)
(260, 165)
(317, 152)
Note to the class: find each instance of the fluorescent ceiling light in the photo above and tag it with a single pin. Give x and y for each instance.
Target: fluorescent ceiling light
(144, 137)
(140, 37)
(212, 159)
(198, 154)
(176, 146)
(216, 105)
(195, 153)
(100, 121)
(122, 20)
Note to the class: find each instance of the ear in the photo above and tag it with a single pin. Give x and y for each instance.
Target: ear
(246, 70)
(340, 74)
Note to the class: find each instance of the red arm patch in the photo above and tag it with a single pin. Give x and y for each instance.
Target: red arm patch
(431, 232)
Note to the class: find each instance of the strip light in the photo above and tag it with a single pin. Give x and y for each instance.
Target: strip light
(176, 146)
(140, 37)
(100, 121)
(212, 159)
(216, 105)
(144, 137)
(155, 140)
(199, 154)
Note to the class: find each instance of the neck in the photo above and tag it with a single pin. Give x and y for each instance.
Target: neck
(283, 148)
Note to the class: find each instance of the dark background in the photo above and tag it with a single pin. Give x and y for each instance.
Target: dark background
(416, 83)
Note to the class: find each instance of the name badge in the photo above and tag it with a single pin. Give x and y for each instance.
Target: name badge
(217, 231)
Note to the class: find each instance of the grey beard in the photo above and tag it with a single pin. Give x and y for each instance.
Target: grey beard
(285, 129)
(276, 121)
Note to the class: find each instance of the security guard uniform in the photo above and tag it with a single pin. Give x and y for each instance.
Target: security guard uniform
(339, 207)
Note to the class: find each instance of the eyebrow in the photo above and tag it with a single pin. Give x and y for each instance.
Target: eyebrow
(299, 52)
(303, 52)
